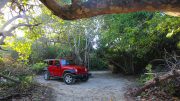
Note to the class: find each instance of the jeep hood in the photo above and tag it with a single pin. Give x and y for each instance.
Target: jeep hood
(79, 68)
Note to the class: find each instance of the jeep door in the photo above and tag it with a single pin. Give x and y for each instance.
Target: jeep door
(51, 67)
(57, 68)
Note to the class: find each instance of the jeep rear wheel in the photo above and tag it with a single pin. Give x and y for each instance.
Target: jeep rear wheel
(69, 79)
(47, 75)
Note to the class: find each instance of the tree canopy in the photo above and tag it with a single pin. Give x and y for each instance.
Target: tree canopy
(130, 36)
(136, 36)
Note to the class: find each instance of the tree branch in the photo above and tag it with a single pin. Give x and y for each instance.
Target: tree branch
(9, 32)
(173, 73)
(155, 81)
(10, 21)
(8, 78)
(92, 8)
(20, 25)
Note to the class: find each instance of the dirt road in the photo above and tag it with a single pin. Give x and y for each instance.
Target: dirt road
(103, 86)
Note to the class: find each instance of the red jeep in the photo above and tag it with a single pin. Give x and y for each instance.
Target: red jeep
(66, 69)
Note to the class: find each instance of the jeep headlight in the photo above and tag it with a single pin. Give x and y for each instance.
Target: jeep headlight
(86, 69)
(76, 70)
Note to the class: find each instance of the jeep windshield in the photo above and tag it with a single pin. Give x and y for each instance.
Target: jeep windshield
(66, 62)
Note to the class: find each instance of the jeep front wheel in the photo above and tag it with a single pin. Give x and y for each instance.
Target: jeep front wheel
(68, 78)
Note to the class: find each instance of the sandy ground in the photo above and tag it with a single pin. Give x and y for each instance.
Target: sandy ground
(102, 86)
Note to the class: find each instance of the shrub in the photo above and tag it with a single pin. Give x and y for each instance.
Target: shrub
(38, 67)
(14, 68)
(1, 62)
(98, 64)
(26, 81)
(17, 71)
(146, 77)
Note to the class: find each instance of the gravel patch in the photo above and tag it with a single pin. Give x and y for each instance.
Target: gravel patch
(102, 86)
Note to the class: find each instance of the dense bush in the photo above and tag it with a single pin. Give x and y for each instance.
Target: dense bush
(98, 64)
(38, 67)
(14, 68)
(17, 71)
(130, 41)
(26, 81)
(146, 77)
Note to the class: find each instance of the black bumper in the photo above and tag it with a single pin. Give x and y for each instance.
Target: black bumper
(80, 76)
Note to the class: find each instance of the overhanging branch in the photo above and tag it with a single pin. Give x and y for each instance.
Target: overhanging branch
(20, 25)
(100, 7)
(10, 21)
(9, 32)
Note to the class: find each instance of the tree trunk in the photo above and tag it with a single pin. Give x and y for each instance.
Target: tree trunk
(90, 8)
(77, 53)
(157, 80)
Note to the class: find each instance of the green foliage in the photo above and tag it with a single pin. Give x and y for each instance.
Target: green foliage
(97, 63)
(149, 68)
(132, 40)
(38, 67)
(63, 53)
(26, 81)
(1, 62)
(22, 46)
(38, 52)
(146, 77)
(129, 40)
(170, 87)
(17, 71)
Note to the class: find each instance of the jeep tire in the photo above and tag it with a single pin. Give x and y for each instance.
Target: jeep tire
(47, 75)
(68, 78)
